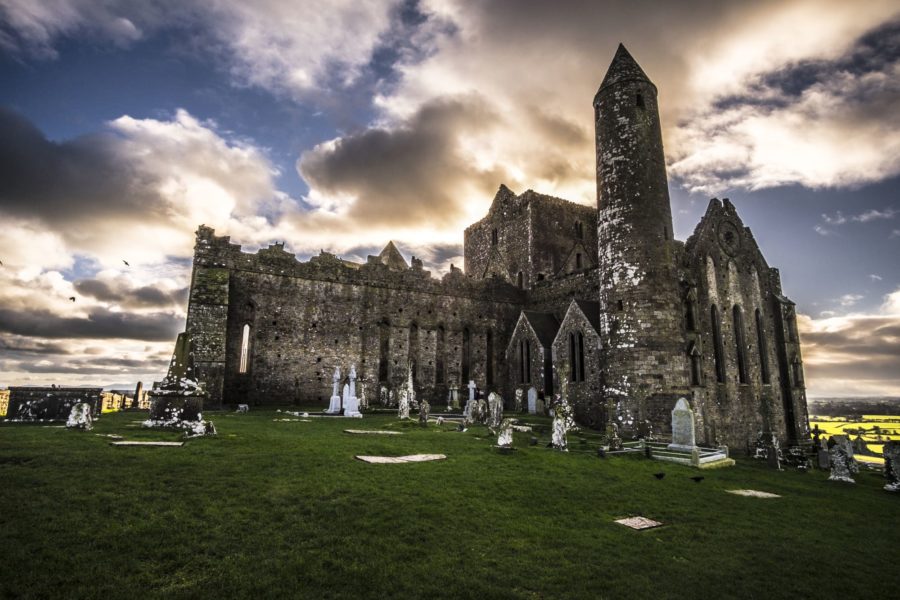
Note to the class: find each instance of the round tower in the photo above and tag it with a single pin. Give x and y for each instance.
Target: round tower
(644, 367)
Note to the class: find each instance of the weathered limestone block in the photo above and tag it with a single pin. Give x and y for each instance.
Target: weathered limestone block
(403, 405)
(518, 406)
(424, 408)
(683, 438)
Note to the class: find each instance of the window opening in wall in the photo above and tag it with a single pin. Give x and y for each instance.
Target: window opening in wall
(245, 349)
(639, 101)
(527, 361)
(763, 348)
(620, 305)
(695, 365)
(790, 322)
(576, 356)
(796, 372)
(740, 343)
(540, 277)
(579, 230)
(494, 237)
(520, 281)
(690, 311)
(578, 260)
(718, 348)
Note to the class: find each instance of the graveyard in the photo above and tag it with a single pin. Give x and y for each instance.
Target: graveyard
(277, 505)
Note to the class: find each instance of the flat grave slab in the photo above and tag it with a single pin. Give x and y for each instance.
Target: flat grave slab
(393, 460)
(753, 493)
(638, 522)
(371, 432)
(146, 443)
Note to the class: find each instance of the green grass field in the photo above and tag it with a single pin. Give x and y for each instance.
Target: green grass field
(282, 509)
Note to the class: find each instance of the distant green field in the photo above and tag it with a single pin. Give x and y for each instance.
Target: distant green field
(282, 509)
(876, 429)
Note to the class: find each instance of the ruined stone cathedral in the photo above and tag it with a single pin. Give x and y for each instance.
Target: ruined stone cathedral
(602, 301)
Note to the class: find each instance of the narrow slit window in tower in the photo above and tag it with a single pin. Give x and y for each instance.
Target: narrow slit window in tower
(494, 237)
(739, 343)
(639, 101)
(717, 344)
(578, 260)
(489, 359)
(245, 349)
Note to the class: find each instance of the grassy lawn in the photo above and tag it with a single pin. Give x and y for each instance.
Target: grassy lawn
(282, 509)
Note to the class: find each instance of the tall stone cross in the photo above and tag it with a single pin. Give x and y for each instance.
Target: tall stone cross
(472, 387)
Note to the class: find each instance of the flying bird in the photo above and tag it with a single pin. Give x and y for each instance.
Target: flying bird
(659, 475)
(72, 298)
(697, 478)
(126, 262)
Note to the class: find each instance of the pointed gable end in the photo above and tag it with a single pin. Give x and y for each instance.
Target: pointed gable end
(391, 257)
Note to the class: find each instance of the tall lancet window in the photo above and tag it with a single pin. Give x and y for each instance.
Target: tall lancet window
(245, 349)
(718, 348)
(739, 343)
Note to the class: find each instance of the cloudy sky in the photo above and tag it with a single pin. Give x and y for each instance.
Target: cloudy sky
(341, 124)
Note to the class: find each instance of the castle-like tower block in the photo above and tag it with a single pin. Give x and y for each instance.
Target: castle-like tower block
(644, 367)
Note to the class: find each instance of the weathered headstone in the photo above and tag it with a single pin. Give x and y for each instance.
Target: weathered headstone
(843, 465)
(454, 398)
(823, 458)
(532, 401)
(138, 392)
(334, 407)
(472, 388)
(892, 466)
(424, 407)
(351, 402)
(495, 410)
(403, 404)
(505, 439)
(562, 422)
(243, 408)
(469, 413)
(519, 395)
(80, 417)
(410, 386)
(482, 411)
(683, 438)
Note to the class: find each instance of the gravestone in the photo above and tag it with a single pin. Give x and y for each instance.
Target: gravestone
(683, 439)
(469, 413)
(454, 398)
(495, 410)
(823, 458)
(138, 392)
(843, 465)
(472, 387)
(481, 411)
(80, 417)
(518, 406)
(243, 408)
(892, 466)
(410, 386)
(562, 422)
(532, 401)
(505, 439)
(351, 402)
(424, 407)
(334, 407)
(403, 405)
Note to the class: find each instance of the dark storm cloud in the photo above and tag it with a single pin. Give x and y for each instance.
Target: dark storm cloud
(28, 346)
(65, 182)
(100, 366)
(406, 175)
(142, 297)
(99, 324)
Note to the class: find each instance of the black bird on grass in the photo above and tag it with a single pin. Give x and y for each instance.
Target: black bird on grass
(697, 478)
(72, 298)
(659, 475)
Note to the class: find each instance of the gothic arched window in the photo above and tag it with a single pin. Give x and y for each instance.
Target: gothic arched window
(740, 343)
(763, 348)
(718, 348)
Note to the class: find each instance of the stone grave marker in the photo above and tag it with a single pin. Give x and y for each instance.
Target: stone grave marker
(334, 407)
(80, 417)
(495, 410)
(683, 437)
(424, 407)
(505, 439)
(532, 401)
(843, 465)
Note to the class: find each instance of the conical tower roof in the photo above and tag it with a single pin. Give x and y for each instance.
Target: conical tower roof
(623, 68)
(391, 257)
